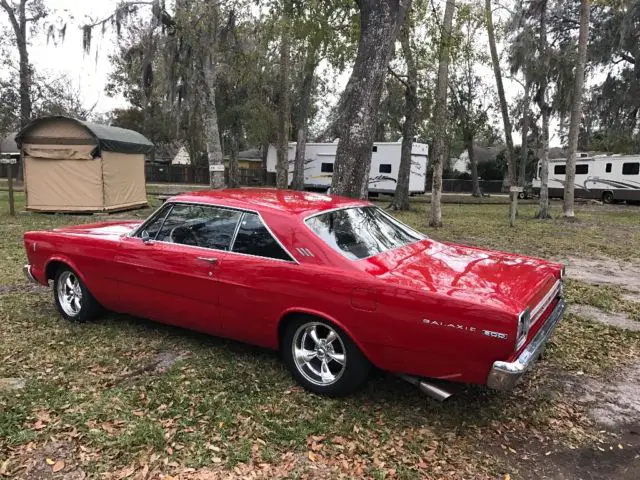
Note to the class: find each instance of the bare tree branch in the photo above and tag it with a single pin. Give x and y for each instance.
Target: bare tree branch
(398, 77)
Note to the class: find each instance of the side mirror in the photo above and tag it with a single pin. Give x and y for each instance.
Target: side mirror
(145, 237)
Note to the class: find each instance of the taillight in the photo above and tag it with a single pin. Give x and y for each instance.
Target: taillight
(524, 323)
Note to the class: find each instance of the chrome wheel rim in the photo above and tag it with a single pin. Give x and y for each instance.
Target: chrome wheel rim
(319, 353)
(69, 293)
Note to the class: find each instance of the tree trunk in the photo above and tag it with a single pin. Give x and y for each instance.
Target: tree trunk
(19, 26)
(475, 181)
(576, 111)
(525, 136)
(214, 147)
(495, 60)
(379, 26)
(440, 115)
(234, 169)
(284, 109)
(543, 212)
(541, 99)
(302, 116)
(401, 196)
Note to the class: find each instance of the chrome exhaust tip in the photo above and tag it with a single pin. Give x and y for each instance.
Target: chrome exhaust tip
(434, 391)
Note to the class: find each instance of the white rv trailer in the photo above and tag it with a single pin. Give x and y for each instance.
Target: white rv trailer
(605, 177)
(385, 162)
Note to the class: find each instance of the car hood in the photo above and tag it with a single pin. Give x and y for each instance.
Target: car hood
(495, 279)
(103, 229)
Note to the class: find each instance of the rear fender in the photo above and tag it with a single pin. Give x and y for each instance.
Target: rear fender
(324, 316)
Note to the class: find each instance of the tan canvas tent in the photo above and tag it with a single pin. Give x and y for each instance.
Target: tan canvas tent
(75, 166)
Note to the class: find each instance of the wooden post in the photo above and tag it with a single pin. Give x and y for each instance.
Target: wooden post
(12, 208)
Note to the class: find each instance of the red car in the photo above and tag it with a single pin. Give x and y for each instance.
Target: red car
(336, 284)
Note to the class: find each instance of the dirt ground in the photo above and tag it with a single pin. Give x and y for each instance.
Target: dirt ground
(604, 271)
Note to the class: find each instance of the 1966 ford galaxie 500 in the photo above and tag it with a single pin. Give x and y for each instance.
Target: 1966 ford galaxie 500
(335, 284)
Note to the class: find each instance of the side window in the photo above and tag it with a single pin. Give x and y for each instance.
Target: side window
(155, 223)
(385, 168)
(559, 169)
(608, 168)
(630, 168)
(582, 169)
(200, 226)
(253, 238)
(326, 167)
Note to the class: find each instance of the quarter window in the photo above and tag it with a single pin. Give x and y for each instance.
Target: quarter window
(253, 238)
(326, 167)
(631, 168)
(582, 169)
(199, 226)
(559, 169)
(385, 168)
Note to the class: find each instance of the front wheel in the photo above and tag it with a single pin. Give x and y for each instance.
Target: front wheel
(322, 358)
(74, 301)
(607, 197)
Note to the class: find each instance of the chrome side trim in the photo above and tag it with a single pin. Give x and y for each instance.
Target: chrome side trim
(27, 273)
(505, 375)
(539, 309)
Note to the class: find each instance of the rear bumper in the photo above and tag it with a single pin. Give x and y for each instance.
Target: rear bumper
(505, 375)
(27, 273)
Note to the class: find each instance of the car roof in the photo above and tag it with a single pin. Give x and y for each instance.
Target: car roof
(270, 200)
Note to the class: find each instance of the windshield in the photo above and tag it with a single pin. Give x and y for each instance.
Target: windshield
(361, 232)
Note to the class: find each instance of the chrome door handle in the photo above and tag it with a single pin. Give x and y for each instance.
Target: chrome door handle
(208, 259)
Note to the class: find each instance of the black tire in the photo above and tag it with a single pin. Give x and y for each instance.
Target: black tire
(522, 195)
(353, 372)
(607, 197)
(88, 309)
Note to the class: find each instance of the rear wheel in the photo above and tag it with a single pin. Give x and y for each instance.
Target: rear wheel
(322, 358)
(607, 197)
(73, 299)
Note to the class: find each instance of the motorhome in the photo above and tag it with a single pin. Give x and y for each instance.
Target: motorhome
(385, 163)
(608, 178)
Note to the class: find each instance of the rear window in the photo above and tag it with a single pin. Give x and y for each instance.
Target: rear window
(361, 232)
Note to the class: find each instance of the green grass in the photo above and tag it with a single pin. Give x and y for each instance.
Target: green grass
(231, 407)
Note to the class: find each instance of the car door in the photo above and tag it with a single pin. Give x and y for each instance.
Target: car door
(255, 282)
(168, 270)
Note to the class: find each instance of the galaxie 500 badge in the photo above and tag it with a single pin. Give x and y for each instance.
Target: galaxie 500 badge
(465, 328)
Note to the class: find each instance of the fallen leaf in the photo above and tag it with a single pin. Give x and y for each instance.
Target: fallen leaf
(49, 461)
(312, 456)
(59, 465)
(4, 467)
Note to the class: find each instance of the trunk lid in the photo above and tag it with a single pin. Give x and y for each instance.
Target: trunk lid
(102, 229)
(496, 279)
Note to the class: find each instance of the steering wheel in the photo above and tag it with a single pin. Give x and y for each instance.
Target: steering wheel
(182, 235)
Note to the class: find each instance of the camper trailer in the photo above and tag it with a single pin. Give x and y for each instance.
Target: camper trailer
(608, 178)
(385, 163)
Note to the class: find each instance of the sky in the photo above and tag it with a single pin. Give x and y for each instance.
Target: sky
(88, 73)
